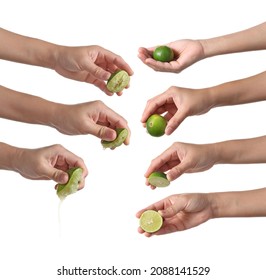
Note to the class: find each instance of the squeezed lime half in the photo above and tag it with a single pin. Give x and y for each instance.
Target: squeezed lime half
(75, 176)
(158, 179)
(118, 81)
(156, 125)
(150, 221)
(121, 136)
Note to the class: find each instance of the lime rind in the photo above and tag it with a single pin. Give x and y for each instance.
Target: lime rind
(75, 175)
(151, 221)
(121, 133)
(158, 179)
(156, 125)
(163, 54)
(118, 81)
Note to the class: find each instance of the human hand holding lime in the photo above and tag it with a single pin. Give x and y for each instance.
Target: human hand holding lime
(187, 52)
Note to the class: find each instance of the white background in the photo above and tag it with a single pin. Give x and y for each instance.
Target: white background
(98, 224)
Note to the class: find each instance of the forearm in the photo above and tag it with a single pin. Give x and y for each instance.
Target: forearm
(242, 41)
(22, 49)
(248, 90)
(241, 151)
(238, 204)
(7, 156)
(26, 108)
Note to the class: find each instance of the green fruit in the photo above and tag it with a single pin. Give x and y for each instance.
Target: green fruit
(158, 179)
(118, 81)
(121, 133)
(163, 54)
(156, 125)
(150, 221)
(75, 176)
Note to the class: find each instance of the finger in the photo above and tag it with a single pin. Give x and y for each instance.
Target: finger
(158, 163)
(178, 170)
(103, 132)
(174, 122)
(153, 105)
(121, 64)
(96, 71)
(59, 176)
(174, 209)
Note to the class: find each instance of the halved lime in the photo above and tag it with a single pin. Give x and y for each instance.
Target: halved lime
(118, 81)
(156, 125)
(163, 54)
(158, 179)
(150, 221)
(122, 134)
(75, 175)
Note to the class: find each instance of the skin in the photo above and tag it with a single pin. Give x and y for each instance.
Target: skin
(85, 118)
(184, 211)
(46, 163)
(91, 64)
(179, 103)
(183, 158)
(188, 52)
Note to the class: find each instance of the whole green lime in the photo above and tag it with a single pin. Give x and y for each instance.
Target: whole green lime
(156, 125)
(163, 54)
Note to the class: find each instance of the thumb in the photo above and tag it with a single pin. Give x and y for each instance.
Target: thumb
(174, 122)
(96, 71)
(103, 132)
(57, 175)
(172, 210)
(178, 170)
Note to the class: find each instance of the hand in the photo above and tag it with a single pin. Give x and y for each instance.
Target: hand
(181, 212)
(89, 118)
(187, 52)
(177, 103)
(183, 158)
(91, 64)
(48, 163)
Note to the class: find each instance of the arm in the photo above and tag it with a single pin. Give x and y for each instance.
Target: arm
(185, 211)
(251, 39)
(188, 51)
(47, 163)
(250, 203)
(183, 158)
(91, 64)
(179, 103)
(27, 50)
(85, 118)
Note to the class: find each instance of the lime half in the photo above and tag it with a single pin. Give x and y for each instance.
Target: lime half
(156, 125)
(158, 179)
(163, 54)
(150, 221)
(118, 81)
(121, 133)
(75, 175)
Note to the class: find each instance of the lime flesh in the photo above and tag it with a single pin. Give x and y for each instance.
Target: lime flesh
(118, 81)
(75, 175)
(150, 221)
(163, 54)
(158, 179)
(156, 125)
(121, 133)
